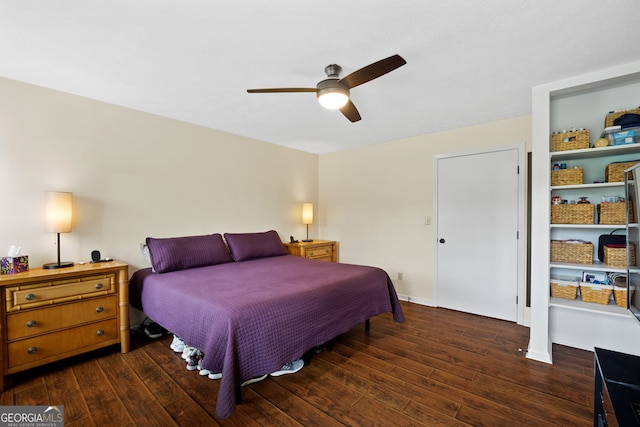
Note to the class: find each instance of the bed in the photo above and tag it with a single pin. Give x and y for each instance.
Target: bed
(251, 307)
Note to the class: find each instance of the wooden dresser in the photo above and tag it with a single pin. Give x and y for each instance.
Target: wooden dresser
(48, 315)
(323, 250)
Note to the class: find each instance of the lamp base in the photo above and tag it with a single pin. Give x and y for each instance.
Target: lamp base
(52, 265)
(307, 240)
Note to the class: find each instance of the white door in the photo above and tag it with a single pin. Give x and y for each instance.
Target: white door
(477, 233)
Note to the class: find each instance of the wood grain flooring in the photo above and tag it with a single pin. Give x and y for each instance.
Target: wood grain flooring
(439, 368)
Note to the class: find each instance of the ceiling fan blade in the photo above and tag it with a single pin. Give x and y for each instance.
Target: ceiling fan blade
(350, 112)
(283, 89)
(373, 71)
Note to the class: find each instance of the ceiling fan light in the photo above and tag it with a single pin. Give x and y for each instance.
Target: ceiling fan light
(333, 98)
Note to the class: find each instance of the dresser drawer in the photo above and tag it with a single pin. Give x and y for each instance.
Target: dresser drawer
(34, 322)
(321, 252)
(47, 293)
(32, 350)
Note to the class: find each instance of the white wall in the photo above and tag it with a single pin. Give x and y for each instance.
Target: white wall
(374, 199)
(135, 175)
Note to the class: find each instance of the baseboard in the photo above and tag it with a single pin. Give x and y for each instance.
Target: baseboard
(539, 356)
(420, 301)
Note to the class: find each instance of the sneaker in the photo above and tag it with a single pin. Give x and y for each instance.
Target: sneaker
(194, 359)
(203, 371)
(289, 368)
(214, 375)
(153, 330)
(253, 380)
(177, 344)
(186, 352)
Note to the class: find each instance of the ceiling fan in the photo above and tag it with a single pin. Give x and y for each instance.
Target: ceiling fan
(333, 92)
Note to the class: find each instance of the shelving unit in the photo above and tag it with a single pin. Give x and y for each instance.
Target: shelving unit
(580, 102)
(633, 238)
(593, 161)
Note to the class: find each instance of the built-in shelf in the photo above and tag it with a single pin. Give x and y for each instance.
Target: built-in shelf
(580, 101)
(577, 304)
(588, 226)
(584, 186)
(596, 266)
(588, 153)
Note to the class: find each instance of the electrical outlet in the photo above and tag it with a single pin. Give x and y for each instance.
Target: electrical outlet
(427, 220)
(399, 276)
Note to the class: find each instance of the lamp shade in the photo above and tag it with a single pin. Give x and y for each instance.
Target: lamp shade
(333, 100)
(332, 94)
(58, 212)
(307, 213)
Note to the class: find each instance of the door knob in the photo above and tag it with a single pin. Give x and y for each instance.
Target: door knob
(441, 240)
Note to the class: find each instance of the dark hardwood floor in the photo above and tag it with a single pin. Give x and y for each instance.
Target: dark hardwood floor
(439, 368)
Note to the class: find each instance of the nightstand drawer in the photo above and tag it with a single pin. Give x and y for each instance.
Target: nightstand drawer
(40, 294)
(34, 322)
(48, 346)
(320, 252)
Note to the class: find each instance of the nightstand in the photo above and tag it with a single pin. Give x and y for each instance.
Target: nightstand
(48, 315)
(323, 250)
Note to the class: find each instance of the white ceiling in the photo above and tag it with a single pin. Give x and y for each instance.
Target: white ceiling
(468, 62)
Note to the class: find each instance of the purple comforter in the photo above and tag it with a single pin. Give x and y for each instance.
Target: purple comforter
(251, 317)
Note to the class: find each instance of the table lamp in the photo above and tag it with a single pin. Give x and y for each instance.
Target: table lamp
(58, 215)
(307, 218)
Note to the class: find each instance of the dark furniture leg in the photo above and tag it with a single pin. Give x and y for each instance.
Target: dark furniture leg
(306, 358)
(238, 394)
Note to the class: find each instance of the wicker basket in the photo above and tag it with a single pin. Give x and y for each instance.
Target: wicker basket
(591, 292)
(617, 257)
(609, 118)
(579, 253)
(573, 140)
(567, 176)
(572, 214)
(614, 172)
(564, 287)
(620, 295)
(613, 213)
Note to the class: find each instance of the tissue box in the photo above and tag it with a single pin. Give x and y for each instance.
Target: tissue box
(14, 264)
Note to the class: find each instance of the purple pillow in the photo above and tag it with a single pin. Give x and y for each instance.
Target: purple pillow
(180, 253)
(245, 246)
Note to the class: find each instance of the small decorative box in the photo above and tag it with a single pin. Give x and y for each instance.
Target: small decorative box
(14, 264)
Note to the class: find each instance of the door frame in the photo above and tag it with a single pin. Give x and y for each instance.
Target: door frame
(522, 235)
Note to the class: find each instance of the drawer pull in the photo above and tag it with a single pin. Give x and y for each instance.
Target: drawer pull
(99, 309)
(98, 285)
(32, 350)
(31, 323)
(100, 332)
(30, 297)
